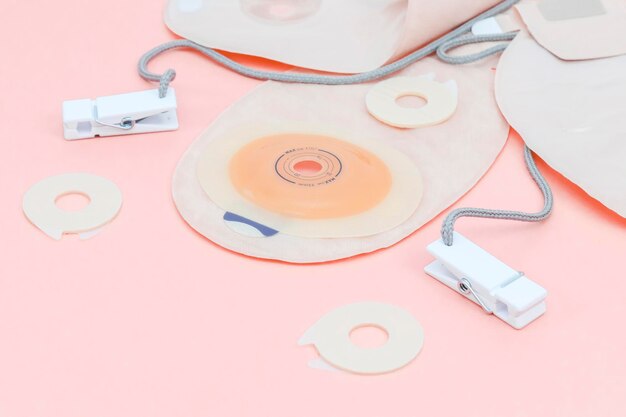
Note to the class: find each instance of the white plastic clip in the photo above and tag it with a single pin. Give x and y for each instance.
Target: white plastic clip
(489, 26)
(122, 114)
(478, 275)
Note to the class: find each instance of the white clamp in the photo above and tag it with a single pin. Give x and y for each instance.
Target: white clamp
(478, 275)
(489, 26)
(122, 114)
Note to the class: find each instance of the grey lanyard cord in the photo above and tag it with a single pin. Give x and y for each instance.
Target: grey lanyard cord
(447, 228)
(166, 78)
(442, 51)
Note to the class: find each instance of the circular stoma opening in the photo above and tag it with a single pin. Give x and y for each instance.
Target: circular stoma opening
(72, 201)
(281, 11)
(411, 101)
(308, 168)
(369, 336)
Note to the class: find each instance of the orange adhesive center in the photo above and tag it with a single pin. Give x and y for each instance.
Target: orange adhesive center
(309, 176)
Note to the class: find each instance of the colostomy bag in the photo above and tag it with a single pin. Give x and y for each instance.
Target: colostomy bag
(345, 36)
(571, 113)
(221, 182)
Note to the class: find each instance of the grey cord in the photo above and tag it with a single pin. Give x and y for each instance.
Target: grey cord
(447, 228)
(442, 51)
(166, 78)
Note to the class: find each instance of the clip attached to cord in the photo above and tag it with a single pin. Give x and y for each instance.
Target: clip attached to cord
(496, 287)
(122, 114)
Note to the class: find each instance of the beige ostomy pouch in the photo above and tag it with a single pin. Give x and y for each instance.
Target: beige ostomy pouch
(331, 337)
(39, 204)
(233, 183)
(577, 29)
(571, 113)
(346, 36)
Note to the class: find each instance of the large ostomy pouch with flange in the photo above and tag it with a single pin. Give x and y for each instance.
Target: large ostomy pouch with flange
(571, 113)
(346, 36)
(304, 173)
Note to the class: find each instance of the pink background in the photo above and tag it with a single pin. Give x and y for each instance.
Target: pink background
(150, 319)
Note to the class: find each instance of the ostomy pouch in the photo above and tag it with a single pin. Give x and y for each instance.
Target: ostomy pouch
(571, 113)
(577, 29)
(367, 184)
(345, 36)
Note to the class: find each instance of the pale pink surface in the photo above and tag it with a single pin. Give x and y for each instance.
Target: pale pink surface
(150, 319)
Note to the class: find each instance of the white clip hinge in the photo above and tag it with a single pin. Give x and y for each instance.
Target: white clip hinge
(481, 277)
(121, 114)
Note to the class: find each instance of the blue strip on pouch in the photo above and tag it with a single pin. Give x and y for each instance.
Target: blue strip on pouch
(266, 231)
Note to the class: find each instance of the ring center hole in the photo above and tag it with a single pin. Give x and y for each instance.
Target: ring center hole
(281, 10)
(308, 168)
(411, 101)
(72, 201)
(369, 336)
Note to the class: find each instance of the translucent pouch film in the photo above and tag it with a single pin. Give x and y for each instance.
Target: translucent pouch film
(577, 29)
(571, 113)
